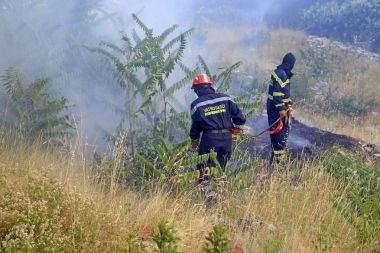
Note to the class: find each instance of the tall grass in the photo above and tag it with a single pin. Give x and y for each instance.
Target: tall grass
(291, 211)
(364, 128)
(352, 78)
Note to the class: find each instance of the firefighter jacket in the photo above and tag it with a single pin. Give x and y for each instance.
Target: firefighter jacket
(279, 87)
(279, 90)
(213, 111)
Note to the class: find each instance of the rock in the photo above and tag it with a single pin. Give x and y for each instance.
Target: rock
(272, 228)
(321, 42)
(321, 88)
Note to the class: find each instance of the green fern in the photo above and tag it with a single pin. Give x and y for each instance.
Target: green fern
(218, 240)
(166, 239)
(35, 111)
(157, 59)
(173, 164)
(222, 82)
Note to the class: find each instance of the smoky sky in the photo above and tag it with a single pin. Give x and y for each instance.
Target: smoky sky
(47, 38)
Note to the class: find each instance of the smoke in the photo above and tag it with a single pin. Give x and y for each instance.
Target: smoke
(47, 38)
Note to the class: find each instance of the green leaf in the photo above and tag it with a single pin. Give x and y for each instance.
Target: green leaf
(204, 66)
(148, 32)
(149, 166)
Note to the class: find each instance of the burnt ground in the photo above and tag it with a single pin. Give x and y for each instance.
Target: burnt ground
(304, 139)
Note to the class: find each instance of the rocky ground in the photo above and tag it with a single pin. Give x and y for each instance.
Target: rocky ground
(321, 42)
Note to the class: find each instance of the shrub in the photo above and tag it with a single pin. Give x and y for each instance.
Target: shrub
(44, 218)
(218, 240)
(34, 109)
(362, 193)
(165, 238)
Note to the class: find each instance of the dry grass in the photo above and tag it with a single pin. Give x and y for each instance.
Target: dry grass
(349, 74)
(256, 47)
(363, 128)
(296, 218)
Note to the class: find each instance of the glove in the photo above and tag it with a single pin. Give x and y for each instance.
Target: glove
(194, 144)
(290, 117)
(283, 114)
(235, 132)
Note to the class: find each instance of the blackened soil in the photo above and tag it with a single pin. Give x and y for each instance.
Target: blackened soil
(303, 139)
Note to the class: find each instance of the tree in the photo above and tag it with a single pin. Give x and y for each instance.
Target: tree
(34, 110)
(143, 67)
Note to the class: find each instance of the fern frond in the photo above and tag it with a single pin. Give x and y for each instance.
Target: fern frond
(167, 32)
(162, 154)
(36, 89)
(171, 62)
(112, 46)
(12, 82)
(149, 166)
(241, 98)
(180, 148)
(249, 106)
(227, 72)
(148, 32)
(128, 47)
(177, 39)
(181, 83)
(187, 70)
(102, 52)
(204, 66)
(136, 38)
(146, 103)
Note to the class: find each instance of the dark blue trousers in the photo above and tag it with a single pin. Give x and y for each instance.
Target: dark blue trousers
(280, 140)
(221, 143)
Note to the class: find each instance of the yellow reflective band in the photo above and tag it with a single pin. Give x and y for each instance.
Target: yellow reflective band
(278, 94)
(278, 105)
(280, 82)
(270, 97)
(286, 100)
(279, 152)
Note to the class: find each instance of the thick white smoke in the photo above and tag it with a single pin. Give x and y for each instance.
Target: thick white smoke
(47, 38)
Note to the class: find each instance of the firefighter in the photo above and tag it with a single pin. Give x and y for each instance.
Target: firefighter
(279, 105)
(214, 115)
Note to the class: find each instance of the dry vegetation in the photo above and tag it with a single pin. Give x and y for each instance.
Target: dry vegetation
(363, 128)
(52, 200)
(347, 74)
(41, 188)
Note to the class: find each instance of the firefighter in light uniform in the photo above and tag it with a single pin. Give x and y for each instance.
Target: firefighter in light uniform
(279, 105)
(214, 115)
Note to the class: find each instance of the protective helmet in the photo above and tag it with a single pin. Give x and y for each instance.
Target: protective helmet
(201, 80)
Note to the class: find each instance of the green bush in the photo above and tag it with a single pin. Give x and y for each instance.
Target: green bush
(218, 240)
(165, 238)
(44, 218)
(34, 110)
(271, 246)
(362, 192)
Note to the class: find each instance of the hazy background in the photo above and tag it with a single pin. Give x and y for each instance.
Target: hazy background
(47, 38)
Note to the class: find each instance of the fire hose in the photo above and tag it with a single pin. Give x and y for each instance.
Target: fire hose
(268, 130)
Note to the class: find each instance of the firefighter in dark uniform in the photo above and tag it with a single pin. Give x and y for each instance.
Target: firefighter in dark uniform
(279, 105)
(214, 115)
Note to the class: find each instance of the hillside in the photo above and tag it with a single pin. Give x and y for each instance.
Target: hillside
(50, 202)
(95, 154)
